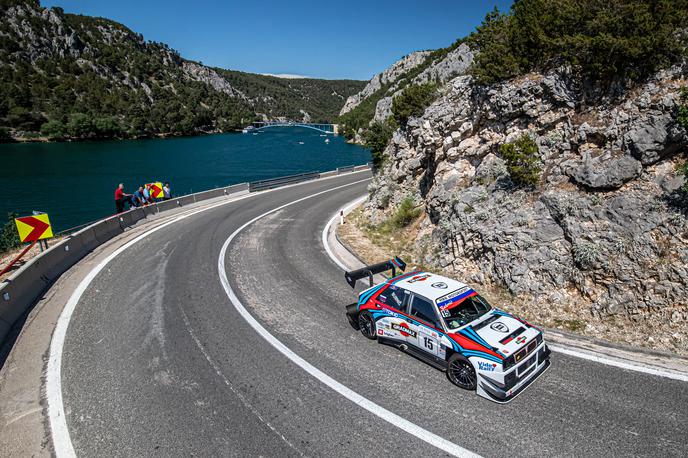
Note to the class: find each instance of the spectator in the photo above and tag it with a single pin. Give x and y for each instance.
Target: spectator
(147, 194)
(121, 198)
(167, 194)
(137, 199)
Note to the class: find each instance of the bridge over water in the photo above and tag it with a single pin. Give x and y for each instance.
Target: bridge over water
(324, 128)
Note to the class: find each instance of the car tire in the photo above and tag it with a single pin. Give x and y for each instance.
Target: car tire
(366, 324)
(461, 373)
(353, 322)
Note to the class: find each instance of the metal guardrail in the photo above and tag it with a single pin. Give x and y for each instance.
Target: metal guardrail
(25, 286)
(270, 183)
(349, 168)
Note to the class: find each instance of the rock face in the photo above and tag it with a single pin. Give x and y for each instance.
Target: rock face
(395, 78)
(599, 230)
(389, 76)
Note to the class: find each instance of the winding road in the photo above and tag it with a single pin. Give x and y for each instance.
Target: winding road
(159, 359)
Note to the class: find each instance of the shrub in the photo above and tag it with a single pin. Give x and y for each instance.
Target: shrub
(9, 238)
(376, 137)
(53, 129)
(5, 134)
(585, 254)
(80, 126)
(522, 160)
(107, 127)
(682, 114)
(413, 101)
(682, 169)
(406, 213)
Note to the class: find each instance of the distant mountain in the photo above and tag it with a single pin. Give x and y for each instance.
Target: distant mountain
(72, 76)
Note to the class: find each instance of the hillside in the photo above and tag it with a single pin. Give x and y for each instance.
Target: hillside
(72, 76)
(552, 173)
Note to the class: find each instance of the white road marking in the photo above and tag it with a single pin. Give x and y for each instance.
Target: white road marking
(590, 356)
(602, 359)
(370, 406)
(62, 443)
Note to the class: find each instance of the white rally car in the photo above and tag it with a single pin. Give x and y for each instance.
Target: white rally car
(447, 324)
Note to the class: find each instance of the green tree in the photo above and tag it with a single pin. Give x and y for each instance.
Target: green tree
(522, 161)
(605, 41)
(413, 101)
(9, 238)
(53, 129)
(107, 127)
(376, 139)
(5, 134)
(80, 126)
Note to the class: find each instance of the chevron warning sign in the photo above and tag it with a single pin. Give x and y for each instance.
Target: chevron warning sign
(32, 228)
(156, 190)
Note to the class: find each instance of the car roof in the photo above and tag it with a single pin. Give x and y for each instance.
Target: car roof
(429, 285)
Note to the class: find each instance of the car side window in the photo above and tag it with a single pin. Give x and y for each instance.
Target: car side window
(424, 310)
(395, 298)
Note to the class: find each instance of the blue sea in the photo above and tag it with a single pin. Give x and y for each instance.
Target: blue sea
(74, 182)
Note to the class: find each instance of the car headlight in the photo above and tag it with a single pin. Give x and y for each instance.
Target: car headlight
(509, 362)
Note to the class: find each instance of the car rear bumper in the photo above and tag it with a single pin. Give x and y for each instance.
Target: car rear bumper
(515, 385)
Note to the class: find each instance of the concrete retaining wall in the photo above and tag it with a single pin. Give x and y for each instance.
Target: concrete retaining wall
(23, 288)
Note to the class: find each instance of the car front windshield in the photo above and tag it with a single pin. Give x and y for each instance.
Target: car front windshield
(463, 312)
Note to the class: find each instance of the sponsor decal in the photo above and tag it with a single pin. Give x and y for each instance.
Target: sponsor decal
(419, 278)
(499, 327)
(486, 366)
(448, 299)
(404, 329)
(439, 285)
(380, 332)
(521, 340)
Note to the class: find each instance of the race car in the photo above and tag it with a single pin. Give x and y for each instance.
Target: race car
(450, 326)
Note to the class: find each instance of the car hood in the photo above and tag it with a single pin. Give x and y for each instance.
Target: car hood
(504, 332)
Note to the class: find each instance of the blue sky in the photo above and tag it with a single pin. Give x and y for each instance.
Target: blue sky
(342, 39)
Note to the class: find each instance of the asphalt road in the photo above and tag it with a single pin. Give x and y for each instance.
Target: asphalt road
(157, 360)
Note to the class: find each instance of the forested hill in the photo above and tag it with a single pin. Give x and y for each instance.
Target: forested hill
(72, 76)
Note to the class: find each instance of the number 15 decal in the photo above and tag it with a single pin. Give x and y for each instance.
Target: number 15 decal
(428, 342)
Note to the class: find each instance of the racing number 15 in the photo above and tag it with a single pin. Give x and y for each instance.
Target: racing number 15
(428, 343)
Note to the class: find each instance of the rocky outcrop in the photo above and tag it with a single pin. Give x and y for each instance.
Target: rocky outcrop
(389, 76)
(438, 69)
(206, 75)
(598, 232)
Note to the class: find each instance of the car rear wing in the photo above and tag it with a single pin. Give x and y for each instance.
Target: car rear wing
(369, 271)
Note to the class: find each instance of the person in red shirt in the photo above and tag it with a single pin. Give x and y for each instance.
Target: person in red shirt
(120, 198)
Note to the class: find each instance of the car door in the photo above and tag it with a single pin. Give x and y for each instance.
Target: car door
(395, 326)
(424, 337)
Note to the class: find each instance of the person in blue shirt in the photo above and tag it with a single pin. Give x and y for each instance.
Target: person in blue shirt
(138, 199)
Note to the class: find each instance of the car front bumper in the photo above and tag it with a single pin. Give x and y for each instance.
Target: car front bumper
(509, 384)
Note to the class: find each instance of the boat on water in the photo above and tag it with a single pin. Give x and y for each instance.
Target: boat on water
(248, 129)
(327, 140)
(300, 143)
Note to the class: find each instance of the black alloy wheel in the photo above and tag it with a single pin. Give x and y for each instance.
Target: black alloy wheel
(366, 324)
(461, 373)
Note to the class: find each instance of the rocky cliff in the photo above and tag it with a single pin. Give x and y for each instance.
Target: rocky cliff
(437, 66)
(603, 233)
